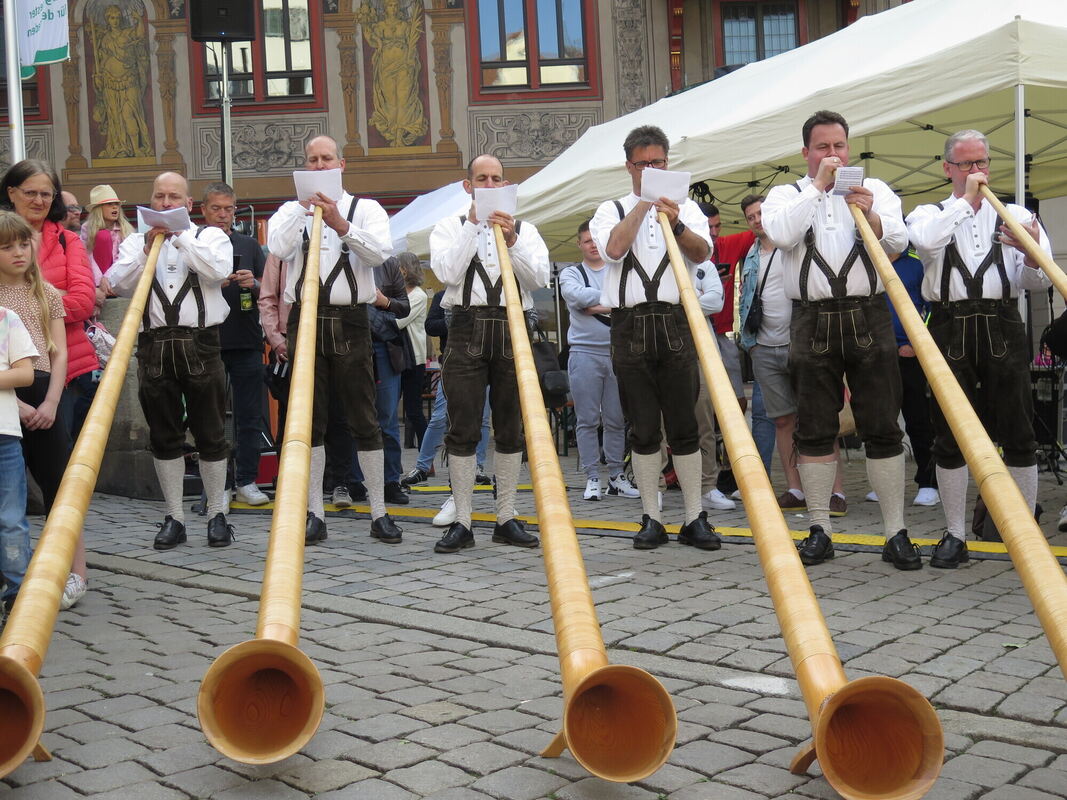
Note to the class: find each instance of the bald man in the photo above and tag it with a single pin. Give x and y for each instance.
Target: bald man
(355, 241)
(179, 369)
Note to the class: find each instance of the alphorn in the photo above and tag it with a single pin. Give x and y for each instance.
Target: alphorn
(618, 721)
(24, 643)
(1032, 248)
(1040, 573)
(875, 737)
(262, 700)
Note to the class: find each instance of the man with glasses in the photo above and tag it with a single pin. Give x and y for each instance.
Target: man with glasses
(73, 221)
(974, 271)
(651, 343)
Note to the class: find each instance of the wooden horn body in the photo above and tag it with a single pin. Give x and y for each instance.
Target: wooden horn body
(874, 737)
(25, 640)
(1033, 249)
(1040, 573)
(618, 721)
(262, 700)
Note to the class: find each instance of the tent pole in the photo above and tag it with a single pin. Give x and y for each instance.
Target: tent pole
(1020, 145)
(17, 142)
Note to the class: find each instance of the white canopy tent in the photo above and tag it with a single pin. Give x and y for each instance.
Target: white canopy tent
(410, 227)
(904, 79)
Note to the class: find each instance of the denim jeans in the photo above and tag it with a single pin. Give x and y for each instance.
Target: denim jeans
(762, 427)
(14, 529)
(387, 388)
(435, 431)
(245, 370)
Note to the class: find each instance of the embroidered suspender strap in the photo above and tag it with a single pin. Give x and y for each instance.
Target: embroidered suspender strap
(172, 311)
(492, 291)
(631, 264)
(839, 282)
(342, 265)
(952, 259)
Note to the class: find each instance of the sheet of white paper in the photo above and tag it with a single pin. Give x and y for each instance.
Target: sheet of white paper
(175, 219)
(309, 182)
(847, 177)
(657, 183)
(503, 198)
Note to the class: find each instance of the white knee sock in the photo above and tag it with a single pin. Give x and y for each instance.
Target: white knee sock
(817, 480)
(688, 469)
(1026, 479)
(887, 479)
(952, 486)
(171, 475)
(372, 462)
(318, 468)
(507, 466)
(647, 474)
(461, 470)
(213, 476)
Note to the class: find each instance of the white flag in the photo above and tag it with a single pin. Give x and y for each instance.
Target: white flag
(44, 34)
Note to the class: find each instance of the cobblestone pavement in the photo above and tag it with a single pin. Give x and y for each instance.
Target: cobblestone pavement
(442, 679)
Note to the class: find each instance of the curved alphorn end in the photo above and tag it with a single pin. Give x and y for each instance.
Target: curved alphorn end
(878, 737)
(620, 723)
(260, 701)
(21, 714)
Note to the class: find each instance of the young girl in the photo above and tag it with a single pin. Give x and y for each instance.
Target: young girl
(45, 444)
(16, 370)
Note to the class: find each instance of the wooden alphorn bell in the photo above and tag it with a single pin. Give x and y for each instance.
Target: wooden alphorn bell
(618, 721)
(1040, 573)
(29, 629)
(874, 737)
(1032, 248)
(262, 700)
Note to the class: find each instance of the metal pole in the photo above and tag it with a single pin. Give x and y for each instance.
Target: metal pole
(17, 142)
(225, 151)
(1020, 145)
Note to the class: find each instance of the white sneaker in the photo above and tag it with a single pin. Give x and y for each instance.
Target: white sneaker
(250, 495)
(73, 591)
(872, 496)
(735, 494)
(717, 500)
(620, 486)
(927, 496)
(1062, 526)
(659, 500)
(447, 515)
(592, 488)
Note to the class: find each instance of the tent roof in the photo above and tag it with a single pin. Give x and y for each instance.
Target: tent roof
(904, 79)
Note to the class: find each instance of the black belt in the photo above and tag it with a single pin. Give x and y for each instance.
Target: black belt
(974, 306)
(841, 303)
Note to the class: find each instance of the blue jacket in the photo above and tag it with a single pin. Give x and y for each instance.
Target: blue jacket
(910, 270)
(749, 276)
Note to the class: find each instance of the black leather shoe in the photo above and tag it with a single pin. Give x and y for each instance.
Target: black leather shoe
(512, 532)
(219, 533)
(481, 479)
(385, 529)
(901, 553)
(357, 491)
(171, 534)
(395, 494)
(314, 530)
(457, 537)
(700, 534)
(816, 548)
(949, 553)
(651, 535)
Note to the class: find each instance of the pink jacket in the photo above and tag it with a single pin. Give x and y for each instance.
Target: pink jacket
(273, 310)
(65, 265)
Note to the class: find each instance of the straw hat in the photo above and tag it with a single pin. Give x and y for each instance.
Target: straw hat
(102, 194)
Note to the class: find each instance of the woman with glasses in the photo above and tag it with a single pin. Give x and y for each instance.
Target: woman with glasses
(32, 190)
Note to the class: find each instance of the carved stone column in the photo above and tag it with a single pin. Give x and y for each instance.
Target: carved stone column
(348, 50)
(442, 20)
(72, 96)
(168, 88)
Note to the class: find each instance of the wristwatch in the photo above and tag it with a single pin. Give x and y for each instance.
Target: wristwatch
(679, 228)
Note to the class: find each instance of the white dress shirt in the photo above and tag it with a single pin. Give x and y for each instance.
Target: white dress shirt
(209, 254)
(788, 214)
(649, 249)
(368, 239)
(454, 243)
(933, 229)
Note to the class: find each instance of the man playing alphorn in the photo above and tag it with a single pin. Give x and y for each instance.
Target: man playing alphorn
(840, 327)
(355, 239)
(974, 271)
(179, 369)
(652, 346)
(464, 257)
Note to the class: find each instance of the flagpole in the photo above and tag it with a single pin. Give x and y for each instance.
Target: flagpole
(17, 143)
